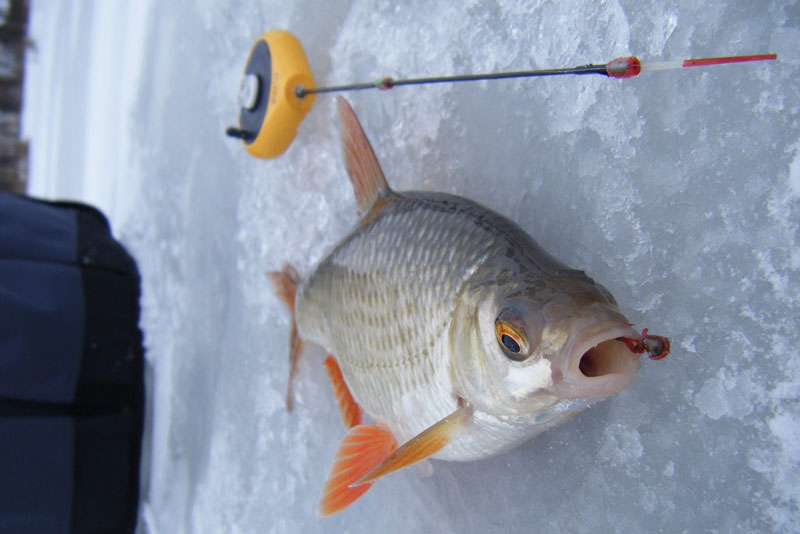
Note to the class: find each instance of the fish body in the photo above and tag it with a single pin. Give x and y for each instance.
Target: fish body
(394, 302)
(451, 328)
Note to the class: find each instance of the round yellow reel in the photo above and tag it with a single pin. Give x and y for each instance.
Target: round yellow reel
(270, 109)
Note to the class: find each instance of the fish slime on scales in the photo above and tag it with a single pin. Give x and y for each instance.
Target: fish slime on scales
(456, 333)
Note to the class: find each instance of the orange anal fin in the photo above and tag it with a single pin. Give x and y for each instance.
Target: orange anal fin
(422, 446)
(285, 282)
(350, 410)
(364, 447)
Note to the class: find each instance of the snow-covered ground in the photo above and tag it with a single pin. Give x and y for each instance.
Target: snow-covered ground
(680, 191)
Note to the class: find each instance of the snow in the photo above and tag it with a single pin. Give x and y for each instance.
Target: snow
(794, 171)
(680, 191)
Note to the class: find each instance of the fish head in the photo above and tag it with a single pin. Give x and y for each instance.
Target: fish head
(522, 344)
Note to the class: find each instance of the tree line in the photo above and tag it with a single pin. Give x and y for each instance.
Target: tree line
(13, 44)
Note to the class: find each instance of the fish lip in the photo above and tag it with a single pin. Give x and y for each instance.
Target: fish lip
(575, 384)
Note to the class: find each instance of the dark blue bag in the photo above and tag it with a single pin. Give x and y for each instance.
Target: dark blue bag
(71, 371)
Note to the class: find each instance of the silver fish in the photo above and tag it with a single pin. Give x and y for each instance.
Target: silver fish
(451, 328)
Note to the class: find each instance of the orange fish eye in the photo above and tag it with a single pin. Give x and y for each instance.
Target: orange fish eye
(512, 339)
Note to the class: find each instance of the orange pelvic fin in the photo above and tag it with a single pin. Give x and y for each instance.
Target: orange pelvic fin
(364, 447)
(422, 446)
(365, 172)
(350, 410)
(285, 282)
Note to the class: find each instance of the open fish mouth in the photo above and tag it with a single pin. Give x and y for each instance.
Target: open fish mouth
(603, 359)
(599, 364)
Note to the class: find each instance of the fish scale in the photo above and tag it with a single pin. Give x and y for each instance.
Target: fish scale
(402, 270)
(451, 328)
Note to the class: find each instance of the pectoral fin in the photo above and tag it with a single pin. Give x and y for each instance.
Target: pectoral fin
(362, 448)
(368, 452)
(422, 446)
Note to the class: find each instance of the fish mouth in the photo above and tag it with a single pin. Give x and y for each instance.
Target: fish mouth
(597, 365)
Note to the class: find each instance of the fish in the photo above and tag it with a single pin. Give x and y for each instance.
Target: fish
(450, 328)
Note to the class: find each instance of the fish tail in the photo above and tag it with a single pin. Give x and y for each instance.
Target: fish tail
(285, 282)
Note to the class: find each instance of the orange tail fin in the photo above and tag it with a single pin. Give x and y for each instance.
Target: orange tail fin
(285, 282)
(362, 449)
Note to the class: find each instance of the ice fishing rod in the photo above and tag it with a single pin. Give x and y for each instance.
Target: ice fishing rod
(621, 67)
(277, 88)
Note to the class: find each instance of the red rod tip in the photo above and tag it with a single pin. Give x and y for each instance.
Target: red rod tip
(731, 59)
(624, 67)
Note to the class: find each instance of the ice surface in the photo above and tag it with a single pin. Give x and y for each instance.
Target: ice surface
(680, 191)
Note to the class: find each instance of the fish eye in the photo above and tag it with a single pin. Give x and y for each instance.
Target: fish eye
(510, 343)
(511, 336)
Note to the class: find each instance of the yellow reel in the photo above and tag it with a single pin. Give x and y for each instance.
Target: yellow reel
(270, 109)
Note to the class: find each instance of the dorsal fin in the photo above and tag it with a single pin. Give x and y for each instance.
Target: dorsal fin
(365, 172)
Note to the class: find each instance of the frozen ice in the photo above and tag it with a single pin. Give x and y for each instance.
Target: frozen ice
(794, 170)
(679, 190)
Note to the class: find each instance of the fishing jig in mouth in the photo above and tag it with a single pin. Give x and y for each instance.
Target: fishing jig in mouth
(657, 347)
